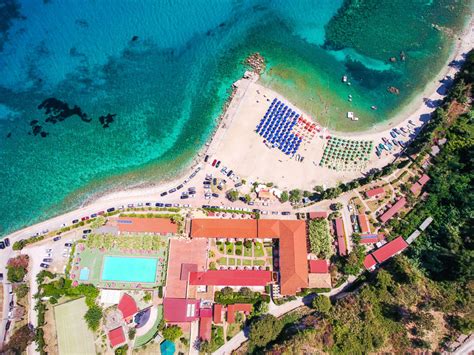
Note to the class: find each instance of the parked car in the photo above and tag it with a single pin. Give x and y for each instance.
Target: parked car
(183, 197)
(164, 193)
(7, 242)
(172, 190)
(55, 239)
(87, 231)
(100, 213)
(285, 213)
(130, 205)
(238, 184)
(206, 158)
(85, 218)
(218, 163)
(7, 326)
(48, 250)
(214, 162)
(168, 205)
(180, 186)
(1, 276)
(48, 255)
(215, 195)
(75, 221)
(274, 212)
(45, 266)
(68, 245)
(47, 260)
(110, 209)
(2, 245)
(159, 204)
(93, 215)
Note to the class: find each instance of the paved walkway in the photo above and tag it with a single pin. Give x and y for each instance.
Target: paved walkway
(151, 322)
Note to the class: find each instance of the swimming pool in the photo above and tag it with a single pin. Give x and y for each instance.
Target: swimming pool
(129, 269)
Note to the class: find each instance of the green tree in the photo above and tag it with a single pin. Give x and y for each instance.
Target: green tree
(319, 189)
(264, 330)
(21, 290)
(232, 195)
(172, 332)
(123, 350)
(93, 317)
(295, 195)
(322, 304)
(284, 197)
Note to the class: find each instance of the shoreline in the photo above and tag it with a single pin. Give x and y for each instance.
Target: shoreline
(148, 190)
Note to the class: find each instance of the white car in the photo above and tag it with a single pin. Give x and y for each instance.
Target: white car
(48, 250)
(48, 255)
(264, 212)
(186, 205)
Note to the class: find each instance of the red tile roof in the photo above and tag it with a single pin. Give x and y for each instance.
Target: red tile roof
(318, 266)
(205, 313)
(369, 238)
(369, 262)
(217, 313)
(292, 236)
(128, 307)
(415, 188)
(238, 307)
(341, 240)
(180, 310)
(205, 328)
(231, 278)
(116, 337)
(393, 210)
(390, 249)
(293, 252)
(363, 223)
(375, 192)
(423, 179)
(186, 269)
(223, 228)
(314, 215)
(146, 225)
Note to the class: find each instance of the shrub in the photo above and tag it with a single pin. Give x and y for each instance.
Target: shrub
(264, 330)
(21, 291)
(93, 317)
(172, 333)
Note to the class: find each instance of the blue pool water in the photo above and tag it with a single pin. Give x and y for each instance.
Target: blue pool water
(161, 70)
(84, 275)
(127, 269)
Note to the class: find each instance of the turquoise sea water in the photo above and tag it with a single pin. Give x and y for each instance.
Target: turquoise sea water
(162, 70)
(129, 269)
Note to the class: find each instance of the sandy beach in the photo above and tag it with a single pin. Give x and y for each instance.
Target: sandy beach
(237, 145)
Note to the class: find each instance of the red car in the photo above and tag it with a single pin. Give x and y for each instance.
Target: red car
(100, 213)
(214, 162)
(84, 218)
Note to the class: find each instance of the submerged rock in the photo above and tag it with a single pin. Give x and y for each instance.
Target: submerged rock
(256, 62)
(107, 119)
(393, 90)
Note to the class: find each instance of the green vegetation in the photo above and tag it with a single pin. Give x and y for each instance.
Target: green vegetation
(284, 197)
(20, 244)
(17, 268)
(151, 334)
(295, 196)
(142, 242)
(217, 340)
(233, 195)
(322, 304)
(422, 300)
(264, 330)
(244, 295)
(93, 317)
(19, 340)
(320, 238)
(172, 332)
(123, 350)
(21, 291)
(258, 250)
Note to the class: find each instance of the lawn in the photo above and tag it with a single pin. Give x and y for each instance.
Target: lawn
(222, 261)
(74, 337)
(259, 263)
(220, 247)
(238, 249)
(231, 262)
(269, 251)
(239, 262)
(247, 262)
(258, 250)
(229, 249)
(248, 251)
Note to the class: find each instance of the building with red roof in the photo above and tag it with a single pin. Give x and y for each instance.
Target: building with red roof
(363, 223)
(230, 278)
(423, 179)
(128, 307)
(315, 215)
(205, 328)
(162, 226)
(318, 266)
(341, 240)
(392, 211)
(180, 310)
(238, 307)
(390, 249)
(217, 314)
(116, 337)
(418, 186)
(375, 192)
(369, 262)
(293, 267)
(369, 238)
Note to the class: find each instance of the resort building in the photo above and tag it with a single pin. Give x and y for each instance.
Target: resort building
(128, 307)
(319, 276)
(418, 186)
(377, 192)
(392, 211)
(369, 262)
(116, 337)
(363, 223)
(180, 310)
(233, 278)
(341, 239)
(390, 249)
(232, 309)
(320, 214)
(217, 315)
(161, 226)
(205, 324)
(291, 236)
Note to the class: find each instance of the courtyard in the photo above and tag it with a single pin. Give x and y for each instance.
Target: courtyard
(240, 255)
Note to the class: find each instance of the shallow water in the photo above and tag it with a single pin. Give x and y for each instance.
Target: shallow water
(164, 70)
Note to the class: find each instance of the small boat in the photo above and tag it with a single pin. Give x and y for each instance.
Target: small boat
(394, 141)
(344, 78)
(350, 115)
(385, 140)
(373, 107)
(404, 130)
(393, 134)
(402, 144)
